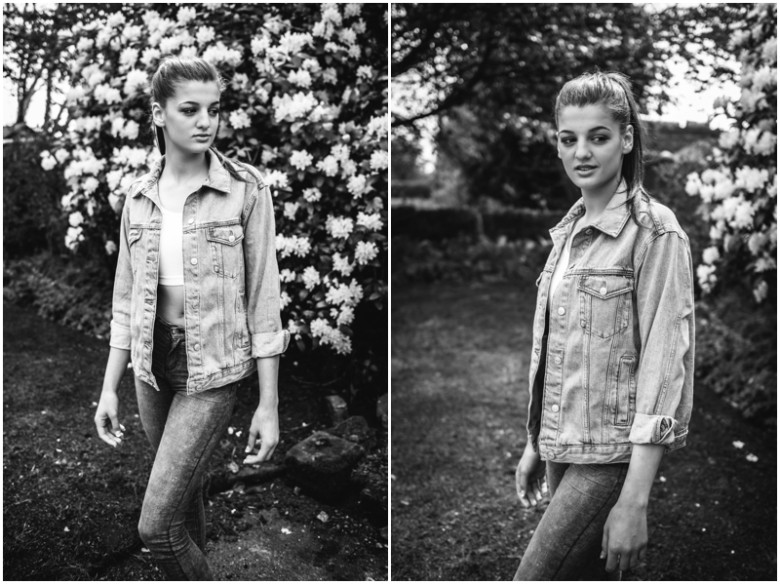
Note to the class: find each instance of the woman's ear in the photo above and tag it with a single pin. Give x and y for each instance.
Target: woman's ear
(628, 140)
(157, 115)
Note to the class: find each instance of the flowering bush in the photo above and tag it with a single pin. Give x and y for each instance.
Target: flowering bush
(739, 195)
(305, 101)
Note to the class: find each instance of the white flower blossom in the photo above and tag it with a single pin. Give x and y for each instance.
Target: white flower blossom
(354, 51)
(345, 316)
(287, 275)
(352, 9)
(291, 108)
(706, 276)
(276, 178)
(378, 160)
(185, 15)
(357, 186)
(132, 33)
(328, 165)
(311, 277)
(239, 120)
(342, 264)
(348, 37)
(339, 227)
(75, 219)
(312, 195)
(751, 179)
(114, 20)
(47, 160)
(284, 300)
(365, 252)
(260, 45)
(372, 222)
(348, 168)
(293, 245)
(330, 13)
(301, 159)
(320, 329)
(710, 255)
(90, 185)
(301, 78)
(136, 81)
(219, 54)
(61, 155)
(290, 209)
(107, 94)
(128, 57)
(110, 247)
(343, 294)
(73, 237)
(130, 131)
(84, 44)
(377, 126)
(205, 34)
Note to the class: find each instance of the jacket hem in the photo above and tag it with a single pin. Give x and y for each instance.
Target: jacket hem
(222, 377)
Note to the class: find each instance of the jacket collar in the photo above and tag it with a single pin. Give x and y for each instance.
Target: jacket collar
(218, 177)
(613, 218)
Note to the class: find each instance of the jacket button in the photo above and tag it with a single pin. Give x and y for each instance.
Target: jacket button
(551, 456)
(232, 238)
(194, 261)
(191, 220)
(588, 231)
(603, 290)
(561, 310)
(196, 346)
(555, 408)
(558, 360)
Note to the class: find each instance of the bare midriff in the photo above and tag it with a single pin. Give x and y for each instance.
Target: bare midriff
(170, 304)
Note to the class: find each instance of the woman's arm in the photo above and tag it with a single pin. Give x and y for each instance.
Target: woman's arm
(265, 422)
(106, 417)
(625, 532)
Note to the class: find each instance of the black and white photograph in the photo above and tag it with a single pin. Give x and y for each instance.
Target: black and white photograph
(583, 278)
(195, 292)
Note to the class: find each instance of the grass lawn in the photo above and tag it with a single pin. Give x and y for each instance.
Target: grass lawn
(460, 356)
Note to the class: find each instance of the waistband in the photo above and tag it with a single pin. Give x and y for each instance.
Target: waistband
(162, 325)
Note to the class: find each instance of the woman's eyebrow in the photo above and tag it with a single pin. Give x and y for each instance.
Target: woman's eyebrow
(596, 129)
(197, 102)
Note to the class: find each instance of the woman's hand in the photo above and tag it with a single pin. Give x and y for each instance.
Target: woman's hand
(106, 419)
(625, 537)
(265, 429)
(529, 478)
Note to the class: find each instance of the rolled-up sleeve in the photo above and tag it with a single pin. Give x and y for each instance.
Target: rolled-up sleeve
(123, 287)
(665, 309)
(263, 289)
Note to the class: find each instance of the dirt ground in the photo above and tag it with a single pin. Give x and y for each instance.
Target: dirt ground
(459, 396)
(71, 503)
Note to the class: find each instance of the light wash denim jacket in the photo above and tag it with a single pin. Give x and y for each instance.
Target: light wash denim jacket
(619, 350)
(231, 278)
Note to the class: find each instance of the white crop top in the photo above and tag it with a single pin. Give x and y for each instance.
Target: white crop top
(171, 263)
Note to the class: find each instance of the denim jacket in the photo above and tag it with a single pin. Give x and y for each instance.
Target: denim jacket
(613, 349)
(231, 278)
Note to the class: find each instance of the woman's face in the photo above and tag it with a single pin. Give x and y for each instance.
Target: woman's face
(190, 117)
(591, 147)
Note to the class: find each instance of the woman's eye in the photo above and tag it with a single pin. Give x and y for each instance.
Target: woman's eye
(214, 113)
(567, 141)
(600, 139)
(188, 111)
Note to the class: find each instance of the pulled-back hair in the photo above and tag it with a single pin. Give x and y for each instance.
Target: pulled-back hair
(613, 91)
(174, 70)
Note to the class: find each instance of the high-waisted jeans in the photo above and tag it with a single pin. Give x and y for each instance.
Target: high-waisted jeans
(183, 431)
(567, 542)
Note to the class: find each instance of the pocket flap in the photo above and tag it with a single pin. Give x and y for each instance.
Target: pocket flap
(226, 235)
(133, 235)
(606, 286)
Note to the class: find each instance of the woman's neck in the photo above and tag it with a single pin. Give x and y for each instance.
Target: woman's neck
(597, 200)
(182, 167)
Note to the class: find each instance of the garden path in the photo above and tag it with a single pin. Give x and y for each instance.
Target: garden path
(459, 396)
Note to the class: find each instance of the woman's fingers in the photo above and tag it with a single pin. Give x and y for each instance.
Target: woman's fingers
(625, 561)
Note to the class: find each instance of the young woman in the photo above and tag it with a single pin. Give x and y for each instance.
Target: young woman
(196, 308)
(611, 375)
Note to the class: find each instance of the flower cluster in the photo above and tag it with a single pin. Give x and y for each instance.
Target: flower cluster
(304, 101)
(739, 195)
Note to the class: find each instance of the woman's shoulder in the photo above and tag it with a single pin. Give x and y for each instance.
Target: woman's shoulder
(653, 215)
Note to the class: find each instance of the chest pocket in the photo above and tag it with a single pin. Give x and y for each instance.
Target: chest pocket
(226, 249)
(605, 303)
